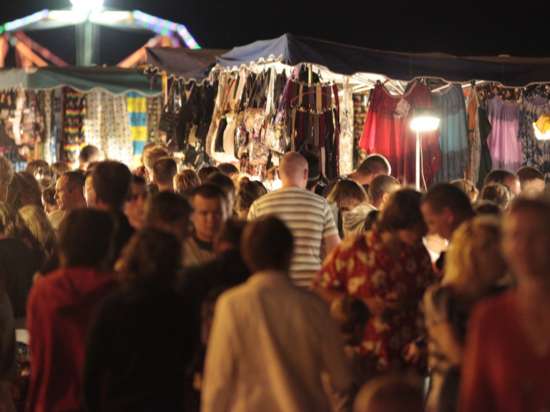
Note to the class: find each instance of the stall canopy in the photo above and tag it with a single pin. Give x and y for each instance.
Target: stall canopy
(345, 59)
(84, 79)
(187, 63)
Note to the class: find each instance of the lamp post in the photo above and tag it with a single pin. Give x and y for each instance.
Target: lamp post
(423, 121)
(86, 32)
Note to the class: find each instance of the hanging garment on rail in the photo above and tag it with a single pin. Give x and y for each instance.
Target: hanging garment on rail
(474, 139)
(504, 143)
(453, 137)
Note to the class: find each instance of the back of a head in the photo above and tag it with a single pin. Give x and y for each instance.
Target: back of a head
(402, 211)
(539, 206)
(446, 196)
(186, 181)
(381, 185)
(167, 207)
(468, 187)
(222, 181)
(164, 171)
(85, 238)
(248, 193)
(374, 164)
(24, 190)
(267, 244)
(48, 196)
(40, 227)
(228, 169)
(498, 176)
(292, 167)
(39, 169)
(497, 193)
(346, 190)
(111, 181)
(528, 173)
(7, 221)
(89, 153)
(59, 168)
(75, 180)
(206, 171)
(152, 154)
(474, 255)
(152, 257)
(390, 394)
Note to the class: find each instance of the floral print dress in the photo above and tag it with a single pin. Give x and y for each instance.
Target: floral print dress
(364, 267)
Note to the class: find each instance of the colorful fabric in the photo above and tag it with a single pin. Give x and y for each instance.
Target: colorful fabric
(504, 143)
(390, 282)
(453, 136)
(137, 115)
(387, 131)
(536, 153)
(474, 138)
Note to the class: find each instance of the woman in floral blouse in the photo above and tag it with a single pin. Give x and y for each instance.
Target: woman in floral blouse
(389, 269)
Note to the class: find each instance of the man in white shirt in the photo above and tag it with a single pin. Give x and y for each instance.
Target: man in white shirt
(306, 214)
(271, 341)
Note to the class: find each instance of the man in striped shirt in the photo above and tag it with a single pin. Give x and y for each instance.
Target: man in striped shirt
(306, 214)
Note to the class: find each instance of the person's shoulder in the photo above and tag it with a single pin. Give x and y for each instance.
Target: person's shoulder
(492, 309)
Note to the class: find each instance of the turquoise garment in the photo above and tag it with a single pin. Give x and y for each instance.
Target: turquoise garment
(453, 133)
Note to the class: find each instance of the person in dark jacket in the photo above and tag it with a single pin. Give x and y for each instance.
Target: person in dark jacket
(111, 182)
(142, 343)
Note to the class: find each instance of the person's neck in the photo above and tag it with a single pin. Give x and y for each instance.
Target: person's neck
(289, 184)
(165, 188)
(203, 239)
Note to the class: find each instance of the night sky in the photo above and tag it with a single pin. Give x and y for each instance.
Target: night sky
(466, 27)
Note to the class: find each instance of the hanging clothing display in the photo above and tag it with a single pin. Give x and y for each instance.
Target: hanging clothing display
(103, 127)
(535, 153)
(387, 131)
(504, 143)
(485, 161)
(474, 139)
(74, 112)
(453, 138)
(346, 134)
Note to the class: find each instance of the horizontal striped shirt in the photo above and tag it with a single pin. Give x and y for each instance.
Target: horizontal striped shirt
(309, 218)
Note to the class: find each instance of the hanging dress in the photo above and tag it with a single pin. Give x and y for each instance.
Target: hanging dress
(504, 143)
(474, 138)
(453, 136)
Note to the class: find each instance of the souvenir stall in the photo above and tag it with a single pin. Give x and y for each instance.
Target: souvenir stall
(296, 93)
(50, 113)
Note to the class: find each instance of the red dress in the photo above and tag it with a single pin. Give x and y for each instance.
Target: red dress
(500, 371)
(363, 267)
(59, 311)
(387, 131)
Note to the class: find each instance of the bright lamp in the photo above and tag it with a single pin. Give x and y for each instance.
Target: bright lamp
(424, 121)
(87, 5)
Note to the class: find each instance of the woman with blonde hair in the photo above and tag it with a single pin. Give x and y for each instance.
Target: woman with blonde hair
(36, 220)
(474, 269)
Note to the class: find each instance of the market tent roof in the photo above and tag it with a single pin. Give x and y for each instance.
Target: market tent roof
(348, 60)
(187, 63)
(112, 80)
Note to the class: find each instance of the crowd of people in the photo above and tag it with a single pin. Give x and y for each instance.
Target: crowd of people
(170, 289)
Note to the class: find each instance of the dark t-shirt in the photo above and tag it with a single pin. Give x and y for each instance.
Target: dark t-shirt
(18, 265)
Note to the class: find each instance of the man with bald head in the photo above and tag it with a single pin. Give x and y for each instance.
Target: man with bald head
(306, 214)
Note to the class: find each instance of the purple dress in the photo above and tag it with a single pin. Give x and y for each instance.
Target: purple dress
(504, 142)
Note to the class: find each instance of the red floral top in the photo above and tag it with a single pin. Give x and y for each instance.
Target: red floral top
(363, 267)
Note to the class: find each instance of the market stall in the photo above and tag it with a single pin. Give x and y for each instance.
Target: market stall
(51, 113)
(298, 93)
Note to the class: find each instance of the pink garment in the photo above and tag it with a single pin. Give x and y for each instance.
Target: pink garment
(388, 132)
(504, 143)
